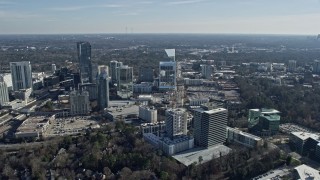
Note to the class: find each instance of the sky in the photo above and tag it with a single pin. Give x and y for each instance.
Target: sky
(159, 16)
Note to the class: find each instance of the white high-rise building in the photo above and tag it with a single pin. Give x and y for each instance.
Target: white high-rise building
(80, 104)
(316, 66)
(21, 75)
(148, 114)
(176, 122)
(53, 68)
(210, 127)
(113, 70)
(4, 95)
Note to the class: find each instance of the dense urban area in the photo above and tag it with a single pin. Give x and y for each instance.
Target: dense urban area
(159, 106)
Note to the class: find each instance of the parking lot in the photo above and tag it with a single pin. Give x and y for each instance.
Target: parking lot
(70, 126)
(290, 127)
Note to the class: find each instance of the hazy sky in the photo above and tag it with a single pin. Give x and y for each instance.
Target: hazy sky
(160, 16)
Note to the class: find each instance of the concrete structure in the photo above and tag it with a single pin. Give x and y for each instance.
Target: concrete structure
(167, 75)
(125, 82)
(103, 88)
(91, 88)
(210, 126)
(155, 128)
(23, 94)
(34, 127)
(148, 114)
(16, 104)
(176, 122)
(292, 65)
(85, 65)
(144, 87)
(264, 122)
(21, 75)
(120, 113)
(193, 101)
(206, 71)
(113, 70)
(246, 139)
(304, 172)
(4, 94)
(146, 74)
(79, 102)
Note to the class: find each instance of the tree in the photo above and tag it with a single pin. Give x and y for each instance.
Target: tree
(288, 160)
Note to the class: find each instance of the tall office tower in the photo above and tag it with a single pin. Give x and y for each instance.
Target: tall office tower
(103, 87)
(168, 72)
(113, 70)
(206, 71)
(53, 68)
(95, 73)
(176, 122)
(210, 127)
(91, 88)
(21, 75)
(80, 104)
(125, 81)
(292, 65)
(85, 66)
(146, 74)
(4, 95)
(316, 66)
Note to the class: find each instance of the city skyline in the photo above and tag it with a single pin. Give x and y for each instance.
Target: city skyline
(145, 16)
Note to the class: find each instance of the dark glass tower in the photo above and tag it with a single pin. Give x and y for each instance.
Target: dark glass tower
(84, 57)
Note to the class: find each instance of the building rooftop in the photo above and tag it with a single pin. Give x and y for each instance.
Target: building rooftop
(305, 135)
(307, 172)
(271, 117)
(192, 155)
(176, 140)
(215, 110)
(245, 134)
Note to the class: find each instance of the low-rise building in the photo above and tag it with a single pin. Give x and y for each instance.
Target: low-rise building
(264, 122)
(33, 127)
(246, 139)
(193, 82)
(305, 172)
(144, 87)
(305, 143)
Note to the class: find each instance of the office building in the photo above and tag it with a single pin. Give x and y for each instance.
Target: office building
(176, 122)
(7, 78)
(21, 75)
(167, 75)
(148, 114)
(305, 143)
(103, 87)
(292, 65)
(155, 128)
(210, 126)
(143, 88)
(113, 71)
(206, 71)
(79, 103)
(264, 122)
(125, 81)
(4, 94)
(23, 94)
(243, 138)
(146, 74)
(85, 65)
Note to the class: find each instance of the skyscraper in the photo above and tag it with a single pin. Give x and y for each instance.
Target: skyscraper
(146, 74)
(53, 68)
(176, 122)
(206, 71)
(168, 72)
(210, 127)
(316, 66)
(125, 81)
(113, 71)
(21, 75)
(4, 95)
(103, 87)
(85, 66)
